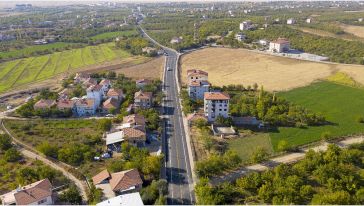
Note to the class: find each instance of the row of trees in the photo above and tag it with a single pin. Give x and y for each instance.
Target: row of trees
(272, 109)
(331, 177)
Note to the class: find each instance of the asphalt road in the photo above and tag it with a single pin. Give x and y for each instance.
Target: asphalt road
(177, 166)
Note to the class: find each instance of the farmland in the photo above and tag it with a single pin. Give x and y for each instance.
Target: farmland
(239, 66)
(33, 69)
(339, 104)
(355, 30)
(112, 35)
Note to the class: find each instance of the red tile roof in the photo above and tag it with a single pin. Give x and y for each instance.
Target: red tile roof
(34, 192)
(96, 87)
(133, 133)
(125, 179)
(97, 179)
(216, 96)
(89, 102)
(65, 103)
(104, 81)
(199, 83)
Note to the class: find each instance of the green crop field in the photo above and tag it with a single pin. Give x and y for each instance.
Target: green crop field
(27, 70)
(111, 35)
(341, 105)
(30, 50)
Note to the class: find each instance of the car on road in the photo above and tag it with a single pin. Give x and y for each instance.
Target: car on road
(169, 69)
(165, 54)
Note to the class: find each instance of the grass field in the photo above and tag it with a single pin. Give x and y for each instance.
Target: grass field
(238, 66)
(355, 30)
(27, 70)
(246, 146)
(341, 105)
(150, 70)
(27, 51)
(347, 36)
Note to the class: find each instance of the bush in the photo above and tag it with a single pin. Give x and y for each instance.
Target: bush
(5, 142)
(12, 155)
(326, 136)
(360, 120)
(259, 155)
(282, 146)
(47, 149)
(71, 196)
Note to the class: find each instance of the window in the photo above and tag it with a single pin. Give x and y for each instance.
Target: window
(42, 201)
(225, 110)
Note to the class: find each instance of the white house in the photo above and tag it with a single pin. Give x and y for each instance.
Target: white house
(308, 21)
(291, 21)
(196, 75)
(216, 104)
(280, 45)
(85, 107)
(95, 92)
(245, 25)
(37, 193)
(176, 40)
(196, 89)
(125, 199)
(263, 42)
(106, 85)
(240, 36)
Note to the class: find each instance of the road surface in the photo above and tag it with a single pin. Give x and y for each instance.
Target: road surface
(178, 169)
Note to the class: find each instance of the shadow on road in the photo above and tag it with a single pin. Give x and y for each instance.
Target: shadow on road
(176, 176)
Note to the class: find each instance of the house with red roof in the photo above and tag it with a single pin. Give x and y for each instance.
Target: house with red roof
(44, 104)
(280, 45)
(143, 99)
(37, 193)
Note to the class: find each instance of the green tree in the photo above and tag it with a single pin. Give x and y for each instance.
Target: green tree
(105, 124)
(282, 145)
(334, 198)
(47, 149)
(12, 155)
(71, 196)
(5, 142)
(259, 155)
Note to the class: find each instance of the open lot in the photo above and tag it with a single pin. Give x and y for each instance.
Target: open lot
(341, 105)
(150, 70)
(17, 73)
(355, 30)
(239, 66)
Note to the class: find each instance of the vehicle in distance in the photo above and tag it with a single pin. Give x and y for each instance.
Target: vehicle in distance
(169, 69)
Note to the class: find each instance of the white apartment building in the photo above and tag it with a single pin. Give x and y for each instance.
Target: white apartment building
(216, 104)
(240, 37)
(291, 21)
(245, 25)
(196, 89)
(280, 45)
(95, 92)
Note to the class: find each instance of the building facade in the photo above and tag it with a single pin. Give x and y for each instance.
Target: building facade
(196, 89)
(280, 45)
(216, 104)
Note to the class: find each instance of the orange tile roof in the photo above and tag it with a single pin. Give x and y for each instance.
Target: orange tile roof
(198, 83)
(104, 174)
(196, 72)
(104, 81)
(114, 92)
(281, 41)
(125, 179)
(34, 192)
(89, 102)
(134, 119)
(65, 103)
(44, 103)
(133, 133)
(143, 95)
(96, 87)
(111, 103)
(216, 96)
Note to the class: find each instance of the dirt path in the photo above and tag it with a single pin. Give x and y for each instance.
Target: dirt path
(57, 166)
(284, 159)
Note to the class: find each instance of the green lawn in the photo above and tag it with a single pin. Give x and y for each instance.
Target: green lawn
(246, 146)
(27, 70)
(341, 105)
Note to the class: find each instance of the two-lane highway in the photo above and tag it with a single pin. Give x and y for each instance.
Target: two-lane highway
(177, 165)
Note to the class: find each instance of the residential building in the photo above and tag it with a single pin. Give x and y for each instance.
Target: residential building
(115, 94)
(123, 182)
(216, 104)
(65, 104)
(85, 107)
(134, 121)
(308, 21)
(280, 45)
(176, 40)
(141, 83)
(110, 105)
(263, 42)
(95, 92)
(360, 19)
(43, 104)
(246, 25)
(134, 136)
(106, 85)
(143, 99)
(37, 193)
(149, 50)
(240, 36)
(196, 75)
(291, 21)
(81, 77)
(196, 89)
(89, 82)
(133, 199)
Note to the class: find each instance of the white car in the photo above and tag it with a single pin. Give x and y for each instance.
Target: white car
(169, 69)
